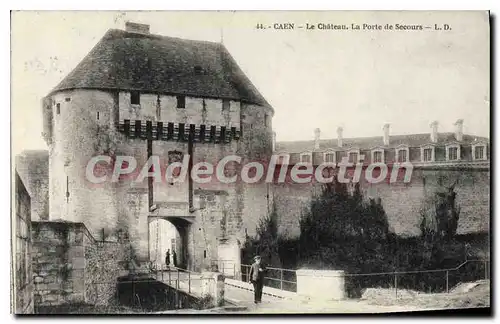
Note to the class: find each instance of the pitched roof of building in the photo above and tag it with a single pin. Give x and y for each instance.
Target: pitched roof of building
(159, 64)
(412, 140)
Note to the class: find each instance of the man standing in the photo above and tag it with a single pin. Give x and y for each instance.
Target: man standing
(167, 258)
(174, 257)
(257, 278)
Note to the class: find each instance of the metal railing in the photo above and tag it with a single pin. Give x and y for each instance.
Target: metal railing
(285, 279)
(176, 277)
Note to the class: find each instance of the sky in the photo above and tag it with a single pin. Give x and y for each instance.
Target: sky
(312, 78)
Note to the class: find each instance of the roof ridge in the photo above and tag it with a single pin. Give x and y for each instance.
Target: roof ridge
(123, 60)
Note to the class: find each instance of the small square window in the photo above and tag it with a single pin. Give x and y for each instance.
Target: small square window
(135, 98)
(181, 102)
(58, 108)
(198, 70)
(225, 105)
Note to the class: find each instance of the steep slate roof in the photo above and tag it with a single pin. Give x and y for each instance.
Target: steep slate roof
(412, 140)
(159, 64)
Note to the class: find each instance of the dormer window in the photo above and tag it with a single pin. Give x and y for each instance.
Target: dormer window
(402, 154)
(329, 157)
(283, 158)
(453, 152)
(306, 157)
(135, 98)
(378, 156)
(353, 156)
(427, 153)
(479, 152)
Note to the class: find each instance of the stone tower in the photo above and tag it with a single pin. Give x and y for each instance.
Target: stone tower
(142, 95)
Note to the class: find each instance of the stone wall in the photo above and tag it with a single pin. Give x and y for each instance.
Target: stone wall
(69, 266)
(80, 124)
(402, 202)
(22, 289)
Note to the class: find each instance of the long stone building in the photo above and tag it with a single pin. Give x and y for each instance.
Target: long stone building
(440, 161)
(143, 95)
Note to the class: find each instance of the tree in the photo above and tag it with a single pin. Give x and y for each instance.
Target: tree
(337, 215)
(440, 215)
(266, 242)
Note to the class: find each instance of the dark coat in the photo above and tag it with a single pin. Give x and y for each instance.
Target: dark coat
(255, 274)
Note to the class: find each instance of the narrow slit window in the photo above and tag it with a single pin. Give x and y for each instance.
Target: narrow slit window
(135, 98)
(225, 105)
(181, 102)
(58, 108)
(97, 115)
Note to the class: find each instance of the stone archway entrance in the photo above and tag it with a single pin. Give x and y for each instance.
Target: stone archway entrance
(168, 233)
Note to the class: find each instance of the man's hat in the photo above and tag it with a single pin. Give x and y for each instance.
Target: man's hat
(256, 257)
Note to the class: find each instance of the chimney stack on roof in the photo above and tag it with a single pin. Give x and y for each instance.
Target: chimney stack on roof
(459, 129)
(317, 133)
(386, 133)
(340, 130)
(434, 131)
(136, 28)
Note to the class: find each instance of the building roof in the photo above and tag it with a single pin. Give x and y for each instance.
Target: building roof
(363, 143)
(159, 64)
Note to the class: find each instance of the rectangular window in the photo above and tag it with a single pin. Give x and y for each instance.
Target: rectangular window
(135, 98)
(377, 157)
(402, 156)
(306, 158)
(453, 153)
(353, 157)
(181, 102)
(97, 115)
(58, 108)
(329, 157)
(479, 152)
(427, 154)
(225, 105)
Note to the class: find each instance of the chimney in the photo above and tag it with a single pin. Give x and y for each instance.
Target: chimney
(274, 141)
(317, 133)
(459, 129)
(340, 130)
(136, 28)
(386, 134)
(434, 131)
